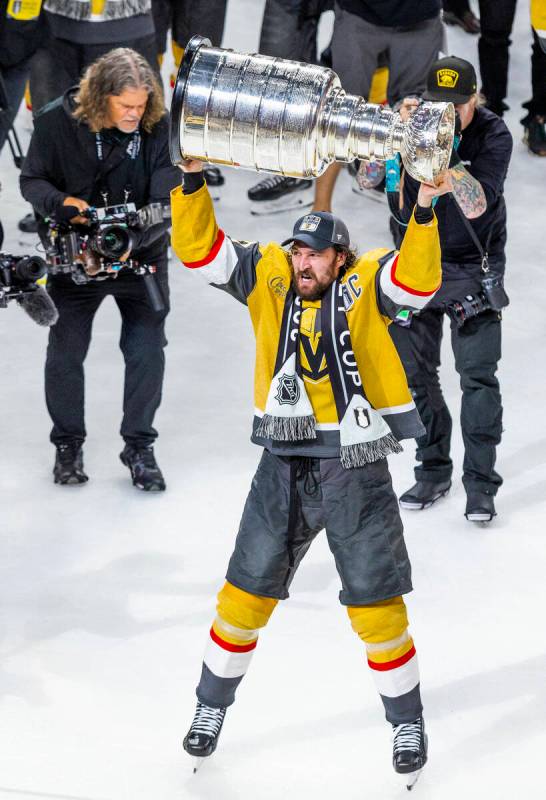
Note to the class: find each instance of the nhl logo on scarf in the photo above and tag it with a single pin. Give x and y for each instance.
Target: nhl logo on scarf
(362, 416)
(288, 392)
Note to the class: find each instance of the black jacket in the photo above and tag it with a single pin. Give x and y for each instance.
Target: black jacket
(485, 150)
(62, 161)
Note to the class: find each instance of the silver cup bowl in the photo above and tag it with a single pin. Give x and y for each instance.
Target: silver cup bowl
(270, 114)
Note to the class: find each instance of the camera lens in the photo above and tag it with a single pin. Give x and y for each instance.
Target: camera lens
(30, 268)
(112, 241)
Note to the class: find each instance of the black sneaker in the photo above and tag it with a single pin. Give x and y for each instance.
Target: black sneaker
(278, 193)
(480, 507)
(202, 737)
(424, 494)
(534, 135)
(144, 469)
(213, 176)
(409, 751)
(68, 469)
(28, 224)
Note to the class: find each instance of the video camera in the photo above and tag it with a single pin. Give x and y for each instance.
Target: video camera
(18, 276)
(101, 249)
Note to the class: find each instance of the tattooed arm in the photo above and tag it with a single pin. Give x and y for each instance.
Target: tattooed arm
(468, 192)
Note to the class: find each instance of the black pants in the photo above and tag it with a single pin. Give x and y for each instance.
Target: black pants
(142, 342)
(477, 350)
(537, 105)
(496, 20)
(59, 64)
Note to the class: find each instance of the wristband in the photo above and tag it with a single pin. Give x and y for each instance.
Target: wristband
(192, 181)
(423, 214)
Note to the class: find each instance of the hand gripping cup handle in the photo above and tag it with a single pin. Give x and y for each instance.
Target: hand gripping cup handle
(269, 114)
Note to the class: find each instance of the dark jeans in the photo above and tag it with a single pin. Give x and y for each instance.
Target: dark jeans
(477, 350)
(496, 20)
(60, 64)
(142, 342)
(289, 29)
(537, 105)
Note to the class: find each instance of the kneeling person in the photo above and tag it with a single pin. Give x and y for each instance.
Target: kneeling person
(331, 403)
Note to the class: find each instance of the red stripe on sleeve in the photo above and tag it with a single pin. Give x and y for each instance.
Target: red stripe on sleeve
(212, 253)
(397, 662)
(407, 288)
(233, 648)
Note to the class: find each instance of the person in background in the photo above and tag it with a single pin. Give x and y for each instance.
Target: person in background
(411, 34)
(472, 227)
(534, 123)
(105, 142)
(78, 33)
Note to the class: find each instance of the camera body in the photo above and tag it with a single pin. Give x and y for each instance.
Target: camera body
(100, 249)
(492, 297)
(18, 276)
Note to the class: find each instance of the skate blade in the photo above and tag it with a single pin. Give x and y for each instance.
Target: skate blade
(409, 506)
(301, 200)
(410, 779)
(198, 762)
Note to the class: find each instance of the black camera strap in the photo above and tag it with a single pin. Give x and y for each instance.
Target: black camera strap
(483, 252)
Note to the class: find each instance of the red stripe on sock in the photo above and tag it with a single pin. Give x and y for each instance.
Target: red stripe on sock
(407, 288)
(212, 253)
(233, 648)
(397, 662)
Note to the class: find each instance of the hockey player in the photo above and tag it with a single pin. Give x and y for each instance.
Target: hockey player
(331, 403)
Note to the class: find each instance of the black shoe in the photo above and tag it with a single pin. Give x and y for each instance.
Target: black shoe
(280, 193)
(410, 747)
(424, 494)
(202, 737)
(468, 21)
(68, 469)
(28, 224)
(535, 135)
(213, 176)
(480, 507)
(144, 469)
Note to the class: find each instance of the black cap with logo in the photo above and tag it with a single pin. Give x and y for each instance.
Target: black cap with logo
(320, 230)
(451, 80)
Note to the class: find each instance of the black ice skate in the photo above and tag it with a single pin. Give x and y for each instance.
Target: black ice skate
(278, 193)
(409, 754)
(424, 494)
(145, 472)
(202, 738)
(68, 469)
(480, 507)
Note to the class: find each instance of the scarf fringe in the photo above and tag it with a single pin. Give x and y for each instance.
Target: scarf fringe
(287, 429)
(357, 455)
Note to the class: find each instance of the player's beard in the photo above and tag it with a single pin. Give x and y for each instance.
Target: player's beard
(313, 288)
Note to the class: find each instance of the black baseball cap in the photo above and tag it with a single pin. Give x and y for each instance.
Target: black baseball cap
(320, 230)
(451, 80)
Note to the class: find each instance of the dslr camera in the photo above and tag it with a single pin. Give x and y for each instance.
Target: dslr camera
(101, 249)
(18, 276)
(492, 297)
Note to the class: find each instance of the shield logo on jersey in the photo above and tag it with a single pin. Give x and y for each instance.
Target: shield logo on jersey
(288, 391)
(362, 417)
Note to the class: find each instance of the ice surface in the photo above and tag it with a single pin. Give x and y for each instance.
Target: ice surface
(106, 594)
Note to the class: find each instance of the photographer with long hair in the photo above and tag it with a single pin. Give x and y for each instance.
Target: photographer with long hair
(103, 143)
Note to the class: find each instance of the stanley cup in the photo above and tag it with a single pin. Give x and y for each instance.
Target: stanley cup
(273, 115)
